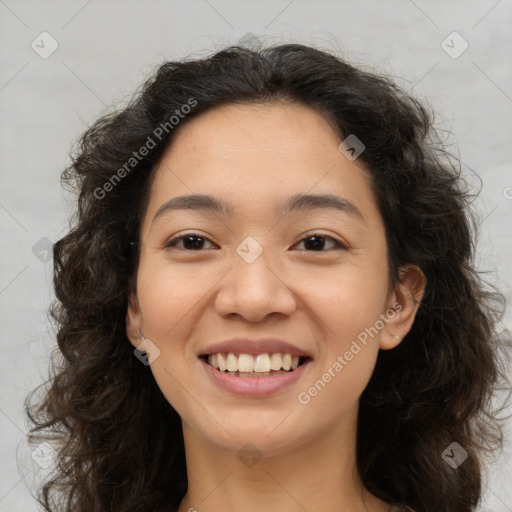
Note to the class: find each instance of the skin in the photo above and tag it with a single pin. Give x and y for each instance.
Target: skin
(319, 299)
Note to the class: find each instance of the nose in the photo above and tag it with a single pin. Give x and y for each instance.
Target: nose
(254, 290)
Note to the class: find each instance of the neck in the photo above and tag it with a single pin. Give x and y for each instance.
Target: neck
(317, 476)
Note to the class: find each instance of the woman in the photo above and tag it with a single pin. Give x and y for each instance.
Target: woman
(267, 301)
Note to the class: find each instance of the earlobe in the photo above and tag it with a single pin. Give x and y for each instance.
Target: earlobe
(133, 319)
(408, 294)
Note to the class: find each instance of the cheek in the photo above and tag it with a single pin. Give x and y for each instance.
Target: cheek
(347, 301)
(336, 389)
(349, 312)
(166, 295)
(167, 306)
(165, 309)
(348, 304)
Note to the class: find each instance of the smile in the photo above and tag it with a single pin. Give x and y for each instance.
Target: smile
(254, 375)
(248, 365)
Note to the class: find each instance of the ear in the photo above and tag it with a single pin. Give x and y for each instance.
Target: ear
(133, 319)
(404, 302)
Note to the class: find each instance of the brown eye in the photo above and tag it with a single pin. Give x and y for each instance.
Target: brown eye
(191, 242)
(316, 241)
(194, 242)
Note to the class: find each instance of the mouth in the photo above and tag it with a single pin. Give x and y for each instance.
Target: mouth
(254, 365)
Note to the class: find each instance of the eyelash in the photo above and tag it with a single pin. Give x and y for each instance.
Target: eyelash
(172, 242)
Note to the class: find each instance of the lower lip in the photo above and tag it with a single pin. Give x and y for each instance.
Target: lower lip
(254, 386)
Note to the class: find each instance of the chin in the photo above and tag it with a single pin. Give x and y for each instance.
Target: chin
(270, 441)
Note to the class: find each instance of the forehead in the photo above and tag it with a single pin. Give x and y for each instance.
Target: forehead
(252, 128)
(255, 154)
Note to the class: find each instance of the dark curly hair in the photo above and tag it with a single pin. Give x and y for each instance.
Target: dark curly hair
(120, 443)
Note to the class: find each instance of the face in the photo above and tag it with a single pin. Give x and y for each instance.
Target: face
(315, 277)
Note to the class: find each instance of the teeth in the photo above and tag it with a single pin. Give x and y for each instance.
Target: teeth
(262, 363)
(232, 362)
(221, 361)
(247, 363)
(257, 374)
(275, 362)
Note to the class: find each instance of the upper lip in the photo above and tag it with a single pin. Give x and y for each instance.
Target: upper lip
(255, 347)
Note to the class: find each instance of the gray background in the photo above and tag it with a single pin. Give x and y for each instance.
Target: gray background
(106, 49)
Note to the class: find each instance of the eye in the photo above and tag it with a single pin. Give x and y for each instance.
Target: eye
(195, 242)
(189, 239)
(317, 241)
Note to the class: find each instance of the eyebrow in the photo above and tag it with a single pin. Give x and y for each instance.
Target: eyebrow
(295, 203)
